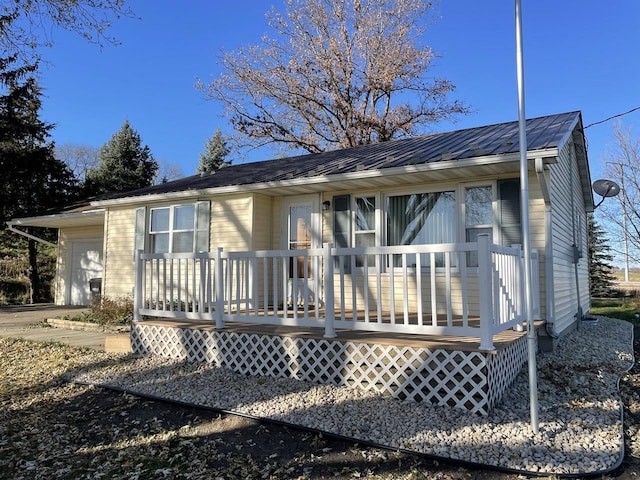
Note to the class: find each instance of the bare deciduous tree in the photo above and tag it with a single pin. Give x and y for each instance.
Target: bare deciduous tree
(26, 25)
(624, 168)
(79, 158)
(335, 74)
(167, 172)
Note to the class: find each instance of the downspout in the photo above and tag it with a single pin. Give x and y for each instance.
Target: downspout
(575, 249)
(550, 326)
(13, 229)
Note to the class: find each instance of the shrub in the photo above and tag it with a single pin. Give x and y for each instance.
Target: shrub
(108, 311)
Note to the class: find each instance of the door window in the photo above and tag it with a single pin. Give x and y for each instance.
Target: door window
(300, 235)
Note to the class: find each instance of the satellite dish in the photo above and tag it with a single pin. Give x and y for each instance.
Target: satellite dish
(605, 188)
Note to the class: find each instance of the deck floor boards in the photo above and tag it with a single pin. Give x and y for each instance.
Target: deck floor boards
(466, 344)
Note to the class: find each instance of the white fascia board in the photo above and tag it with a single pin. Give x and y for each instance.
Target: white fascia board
(548, 154)
(87, 217)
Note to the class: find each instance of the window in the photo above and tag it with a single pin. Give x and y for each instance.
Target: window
(365, 227)
(172, 229)
(508, 212)
(422, 218)
(478, 217)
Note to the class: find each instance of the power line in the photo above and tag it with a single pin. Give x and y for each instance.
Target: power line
(611, 118)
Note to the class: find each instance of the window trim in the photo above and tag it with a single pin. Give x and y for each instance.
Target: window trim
(172, 231)
(377, 225)
(444, 187)
(463, 214)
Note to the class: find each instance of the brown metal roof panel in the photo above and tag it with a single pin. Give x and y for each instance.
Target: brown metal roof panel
(498, 139)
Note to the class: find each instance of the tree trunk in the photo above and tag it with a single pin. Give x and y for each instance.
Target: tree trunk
(34, 278)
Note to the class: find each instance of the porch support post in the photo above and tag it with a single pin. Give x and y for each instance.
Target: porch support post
(218, 281)
(137, 289)
(484, 286)
(329, 307)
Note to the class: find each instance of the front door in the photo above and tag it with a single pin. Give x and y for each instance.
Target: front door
(302, 221)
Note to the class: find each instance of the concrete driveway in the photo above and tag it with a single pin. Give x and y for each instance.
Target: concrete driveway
(25, 321)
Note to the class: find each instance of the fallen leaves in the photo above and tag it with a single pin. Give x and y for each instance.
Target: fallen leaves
(53, 429)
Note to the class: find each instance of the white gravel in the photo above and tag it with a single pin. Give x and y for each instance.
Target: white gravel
(580, 413)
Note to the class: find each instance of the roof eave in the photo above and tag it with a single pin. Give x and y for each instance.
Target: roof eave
(60, 220)
(322, 182)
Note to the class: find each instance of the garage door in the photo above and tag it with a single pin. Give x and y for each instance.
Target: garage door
(86, 263)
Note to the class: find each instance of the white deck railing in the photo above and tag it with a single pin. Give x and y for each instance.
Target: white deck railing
(394, 289)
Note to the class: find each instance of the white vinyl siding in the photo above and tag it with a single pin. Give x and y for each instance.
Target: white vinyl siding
(568, 213)
(117, 279)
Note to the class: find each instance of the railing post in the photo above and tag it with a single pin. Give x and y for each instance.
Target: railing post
(329, 307)
(535, 284)
(520, 284)
(137, 289)
(484, 286)
(218, 281)
(203, 278)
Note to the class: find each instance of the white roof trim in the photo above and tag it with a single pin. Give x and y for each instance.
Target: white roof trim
(328, 179)
(58, 220)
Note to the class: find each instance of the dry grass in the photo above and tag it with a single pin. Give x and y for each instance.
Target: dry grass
(53, 429)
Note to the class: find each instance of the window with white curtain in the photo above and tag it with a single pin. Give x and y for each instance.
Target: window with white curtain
(171, 229)
(422, 218)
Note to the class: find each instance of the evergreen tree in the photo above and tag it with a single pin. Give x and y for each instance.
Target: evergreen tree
(215, 152)
(600, 276)
(33, 179)
(124, 164)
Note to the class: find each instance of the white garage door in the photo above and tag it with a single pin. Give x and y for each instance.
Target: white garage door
(86, 263)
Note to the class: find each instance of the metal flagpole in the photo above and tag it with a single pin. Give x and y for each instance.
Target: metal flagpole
(526, 243)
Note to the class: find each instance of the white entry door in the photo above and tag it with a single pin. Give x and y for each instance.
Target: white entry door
(302, 218)
(86, 263)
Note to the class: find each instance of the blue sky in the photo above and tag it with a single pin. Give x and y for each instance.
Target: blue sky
(579, 55)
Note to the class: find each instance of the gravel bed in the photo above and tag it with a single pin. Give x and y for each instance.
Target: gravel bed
(580, 429)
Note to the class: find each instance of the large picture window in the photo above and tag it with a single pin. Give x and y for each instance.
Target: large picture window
(171, 229)
(422, 218)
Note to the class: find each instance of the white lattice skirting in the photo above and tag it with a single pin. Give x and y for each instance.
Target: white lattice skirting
(474, 381)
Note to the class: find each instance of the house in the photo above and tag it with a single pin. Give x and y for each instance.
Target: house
(415, 237)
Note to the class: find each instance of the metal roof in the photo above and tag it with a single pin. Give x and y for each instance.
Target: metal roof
(493, 140)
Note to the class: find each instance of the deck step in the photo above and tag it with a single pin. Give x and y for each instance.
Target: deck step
(117, 343)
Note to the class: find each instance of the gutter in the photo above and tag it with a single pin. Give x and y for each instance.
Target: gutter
(10, 226)
(324, 182)
(548, 250)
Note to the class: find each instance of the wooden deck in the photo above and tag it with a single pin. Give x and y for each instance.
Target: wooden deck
(464, 344)
(443, 370)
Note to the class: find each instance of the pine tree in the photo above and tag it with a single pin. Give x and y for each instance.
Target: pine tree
(600, 276)
(125, 164)
(34, 181)
(215, 152)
